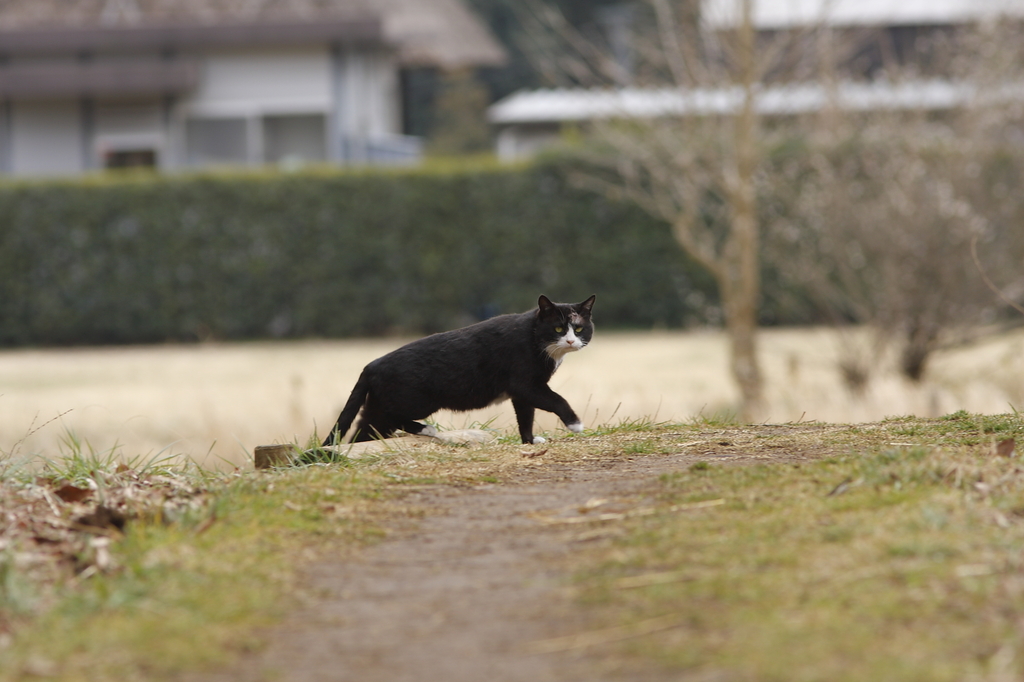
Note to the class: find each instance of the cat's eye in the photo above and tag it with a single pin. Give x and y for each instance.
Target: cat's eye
(559, 329)
(578, 329)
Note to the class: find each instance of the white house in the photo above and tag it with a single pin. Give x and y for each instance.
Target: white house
(784, 14)
(88, 84)
(528, 121)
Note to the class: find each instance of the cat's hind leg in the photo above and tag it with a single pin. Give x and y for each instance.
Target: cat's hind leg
(415, 428)
(368, 432)
(375, 427)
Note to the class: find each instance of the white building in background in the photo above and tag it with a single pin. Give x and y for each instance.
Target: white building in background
(530, 121)
(771, 15)
(176, 84)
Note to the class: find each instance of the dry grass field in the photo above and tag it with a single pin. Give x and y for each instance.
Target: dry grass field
(216, 402)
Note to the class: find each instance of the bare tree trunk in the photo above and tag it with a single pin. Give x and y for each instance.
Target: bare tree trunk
(740, 296)
(698, 173)
(740, 288)
(740, 274)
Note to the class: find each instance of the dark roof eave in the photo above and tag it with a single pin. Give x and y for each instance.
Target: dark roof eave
(174, 36)
(83, 79)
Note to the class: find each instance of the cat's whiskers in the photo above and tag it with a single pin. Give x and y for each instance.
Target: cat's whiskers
(559, 349)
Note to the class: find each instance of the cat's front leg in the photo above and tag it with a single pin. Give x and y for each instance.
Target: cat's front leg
(549, 401)
(524, 417)
(544, 398)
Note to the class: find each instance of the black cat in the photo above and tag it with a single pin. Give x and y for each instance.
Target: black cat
(505, 357)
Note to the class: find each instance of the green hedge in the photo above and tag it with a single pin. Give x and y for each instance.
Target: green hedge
(132, 260)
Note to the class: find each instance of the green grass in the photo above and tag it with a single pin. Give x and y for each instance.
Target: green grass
(190, 594)
(901, 564)
(881, 551)
(192, 583)
(639, 425)
(960, 428)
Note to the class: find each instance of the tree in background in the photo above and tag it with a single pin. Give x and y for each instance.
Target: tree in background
(876, 213)
(460, 116)
(505, 19)
(700, 174)
(879, 207)
(449, 108)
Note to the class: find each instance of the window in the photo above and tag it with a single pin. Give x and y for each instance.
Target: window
(298, 138)
(215, 141)
(130, 158)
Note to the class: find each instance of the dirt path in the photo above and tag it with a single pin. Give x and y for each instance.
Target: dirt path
(462, 594)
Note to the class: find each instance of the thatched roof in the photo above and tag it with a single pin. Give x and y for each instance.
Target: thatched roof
(424, 32)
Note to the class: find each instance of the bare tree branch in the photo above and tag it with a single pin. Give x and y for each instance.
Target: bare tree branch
(988, 282)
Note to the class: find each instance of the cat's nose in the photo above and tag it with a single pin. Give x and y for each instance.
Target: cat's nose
(570, 341)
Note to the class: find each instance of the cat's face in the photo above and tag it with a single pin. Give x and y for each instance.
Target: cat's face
(563, 328)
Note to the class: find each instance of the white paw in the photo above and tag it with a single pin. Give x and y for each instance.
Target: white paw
(575, 427)
(537, 440)
(429, 431)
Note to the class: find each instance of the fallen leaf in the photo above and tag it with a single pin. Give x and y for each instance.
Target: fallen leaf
(593, 503)
(1006, 447)
(205, 525)
(531, 455)
(72, 493)
(47, 539)
(843, 486)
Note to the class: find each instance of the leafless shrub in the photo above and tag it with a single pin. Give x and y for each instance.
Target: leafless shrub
(875, 214)
(698, 165)
(871, 210)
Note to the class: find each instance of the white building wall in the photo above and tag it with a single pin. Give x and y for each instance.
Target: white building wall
(245, 83)
(367, 94)
(780, 14)
(46, 137)
(252, 106)
(366, 121)
(246, 88)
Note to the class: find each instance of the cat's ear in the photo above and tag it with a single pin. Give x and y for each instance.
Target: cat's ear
(587, 305)
(544, 303)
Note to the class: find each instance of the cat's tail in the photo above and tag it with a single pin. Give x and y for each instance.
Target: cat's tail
(348, 414)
